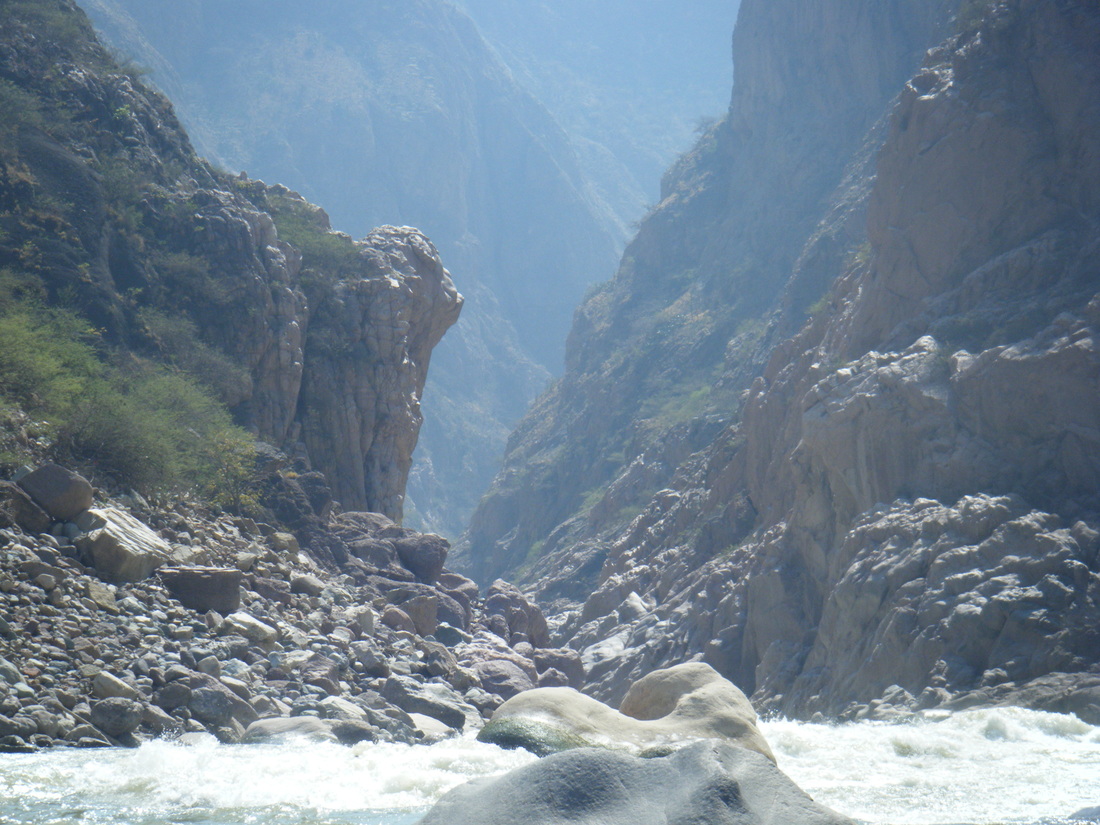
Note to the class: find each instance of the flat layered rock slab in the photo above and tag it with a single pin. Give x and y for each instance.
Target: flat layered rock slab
(204, 588)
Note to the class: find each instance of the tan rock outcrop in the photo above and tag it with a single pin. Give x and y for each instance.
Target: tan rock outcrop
(121, 548)
(371, 343)
(668, 707)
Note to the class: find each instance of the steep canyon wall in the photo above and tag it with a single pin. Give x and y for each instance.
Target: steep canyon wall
(895, 502)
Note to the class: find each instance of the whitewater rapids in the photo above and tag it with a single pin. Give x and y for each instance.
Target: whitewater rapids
(1003, 765)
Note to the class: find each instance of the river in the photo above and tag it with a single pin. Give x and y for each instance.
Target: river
(982, 766)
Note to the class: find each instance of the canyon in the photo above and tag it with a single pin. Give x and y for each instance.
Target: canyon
(826, 446)
(830, 427)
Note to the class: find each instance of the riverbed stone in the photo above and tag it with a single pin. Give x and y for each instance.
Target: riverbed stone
(503, 677)
(705, 782)
(59, 491)
(273, 730)
(251, 628)
(210, 706)
(423, 555)
(123, 549)
(669, 706)
(204, 588)
(18, 508)
(116, 716)
(434, 700)
(106, 685)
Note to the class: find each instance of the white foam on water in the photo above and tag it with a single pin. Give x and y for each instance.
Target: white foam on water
(995, 765)
(301, 782)
(1003, 765)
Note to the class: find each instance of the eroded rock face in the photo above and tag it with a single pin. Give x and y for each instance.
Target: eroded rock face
(366, 367)
(319, 346)
(337, 370)
(983, 593)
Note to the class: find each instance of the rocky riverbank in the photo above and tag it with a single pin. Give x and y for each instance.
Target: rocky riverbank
(124, 620)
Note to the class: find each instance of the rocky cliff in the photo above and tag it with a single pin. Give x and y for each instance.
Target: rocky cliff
(657, 358)
(401, 113)
(319, 346)
(896, 504)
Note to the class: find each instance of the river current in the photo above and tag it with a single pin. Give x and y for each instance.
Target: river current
(1003, 765)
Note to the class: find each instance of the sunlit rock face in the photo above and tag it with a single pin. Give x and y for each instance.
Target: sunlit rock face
(900, 497)
(365, 375)
(657, 358)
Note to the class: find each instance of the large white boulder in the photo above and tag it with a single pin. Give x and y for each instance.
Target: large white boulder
(668, 707)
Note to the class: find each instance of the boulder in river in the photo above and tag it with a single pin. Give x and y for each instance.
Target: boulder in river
(711, 782)
(683, 702)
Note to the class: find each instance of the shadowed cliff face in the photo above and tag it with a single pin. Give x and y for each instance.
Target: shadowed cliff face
(904, 509)
(658, 357)
(329, 340)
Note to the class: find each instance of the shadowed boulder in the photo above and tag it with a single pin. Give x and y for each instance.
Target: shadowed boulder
(706, 782)
(204, 588)
(60, 492)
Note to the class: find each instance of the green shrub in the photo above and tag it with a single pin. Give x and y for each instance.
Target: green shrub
(329, 252)
(140, 424)
(178, 343)
(47, 361)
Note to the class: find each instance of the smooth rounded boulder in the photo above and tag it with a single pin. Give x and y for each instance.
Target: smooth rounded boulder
(667, 707)
(283, 728)
(59, 491)
(706, 782)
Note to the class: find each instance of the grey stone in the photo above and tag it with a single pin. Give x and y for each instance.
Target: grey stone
(710, 783)
(565, 661)
(432, 700)
(251, 629)
(116, 716)
(503, 677)
(123, 549)
(268, 730)
(204, 588)
(60, 492)
(17, 508)
(211, 706)
(106, 685)
(306, 584)
(423, 555)
(371, 658)
(398, 619)
(17, 725)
